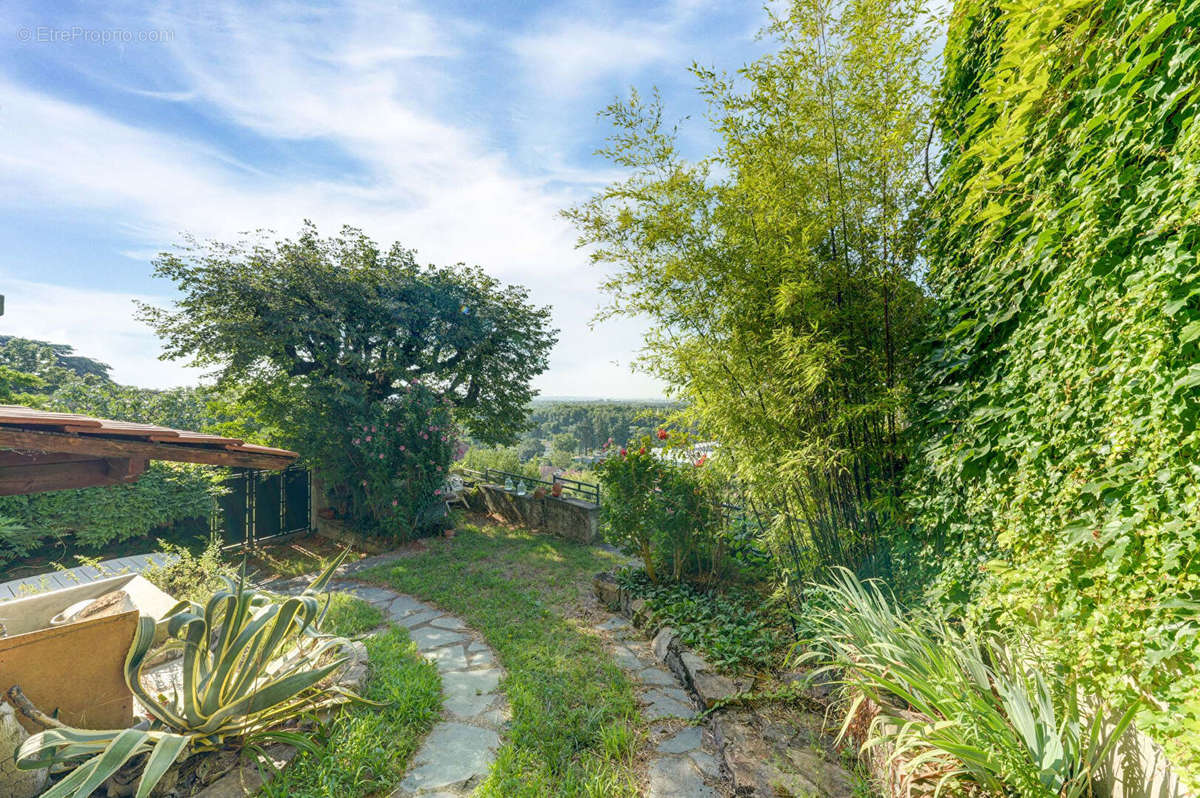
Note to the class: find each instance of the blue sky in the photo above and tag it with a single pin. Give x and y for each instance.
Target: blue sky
(457, 128)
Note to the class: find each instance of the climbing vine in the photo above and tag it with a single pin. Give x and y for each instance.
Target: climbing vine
(1057, 488)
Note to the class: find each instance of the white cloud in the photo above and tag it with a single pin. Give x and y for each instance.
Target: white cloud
(569, 57)
(99, 324)
(360, 80)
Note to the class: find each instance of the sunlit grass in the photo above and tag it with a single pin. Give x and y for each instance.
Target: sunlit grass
(575, 720)
(365, 750)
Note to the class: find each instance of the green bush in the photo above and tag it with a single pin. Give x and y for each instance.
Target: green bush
(1057, 489)
(188, 576)
(664, 511)
(388, 460)
(164, 496)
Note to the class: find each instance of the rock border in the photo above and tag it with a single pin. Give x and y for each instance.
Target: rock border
(741, 770)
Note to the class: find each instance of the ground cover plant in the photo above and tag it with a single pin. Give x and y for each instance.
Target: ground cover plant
(734, 629)
(575, 723)
(363, 751)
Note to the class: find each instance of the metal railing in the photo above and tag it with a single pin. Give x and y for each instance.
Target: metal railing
(583, 490)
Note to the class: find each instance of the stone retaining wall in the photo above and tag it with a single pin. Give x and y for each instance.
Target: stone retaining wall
(570, 518)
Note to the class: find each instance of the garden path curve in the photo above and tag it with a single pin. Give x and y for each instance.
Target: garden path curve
(460, 749)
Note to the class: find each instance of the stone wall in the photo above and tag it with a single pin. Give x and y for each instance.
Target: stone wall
(570, 518)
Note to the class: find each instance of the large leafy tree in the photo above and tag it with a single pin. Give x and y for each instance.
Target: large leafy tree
(321, 335)
(778, 273)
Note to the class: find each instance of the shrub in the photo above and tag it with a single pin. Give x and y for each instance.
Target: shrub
(965, 705)
(388, 460)
(664, 511)
(188, 576)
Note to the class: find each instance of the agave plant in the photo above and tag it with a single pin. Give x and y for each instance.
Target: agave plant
(965, 706)
(251, 661)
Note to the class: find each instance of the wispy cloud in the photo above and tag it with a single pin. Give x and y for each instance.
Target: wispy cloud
(378, 87)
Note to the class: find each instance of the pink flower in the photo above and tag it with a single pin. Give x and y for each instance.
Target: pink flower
(395, 502)
(368, 439)
(374, 430)
(402, 447)
(381, 455)
(437, 492)
(364, 483)
(364, 427)
(355, 441)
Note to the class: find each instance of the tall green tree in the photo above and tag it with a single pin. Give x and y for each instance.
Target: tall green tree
(778, 272)
(322, 336)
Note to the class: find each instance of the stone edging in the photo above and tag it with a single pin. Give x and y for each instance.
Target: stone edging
(684, 763)
(739, 753)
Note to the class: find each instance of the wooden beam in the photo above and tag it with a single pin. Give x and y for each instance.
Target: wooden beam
(10, 458)
(29, 441)
(16, 480)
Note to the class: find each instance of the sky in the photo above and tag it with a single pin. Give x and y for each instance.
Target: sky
(459, 129)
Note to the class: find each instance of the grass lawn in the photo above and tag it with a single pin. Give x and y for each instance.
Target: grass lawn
(364, 751)
(575, 726)
(348, 616)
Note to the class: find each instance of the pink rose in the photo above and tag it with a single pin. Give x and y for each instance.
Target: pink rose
(368, 439)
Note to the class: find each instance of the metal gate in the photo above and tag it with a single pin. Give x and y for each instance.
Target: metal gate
(261, 505)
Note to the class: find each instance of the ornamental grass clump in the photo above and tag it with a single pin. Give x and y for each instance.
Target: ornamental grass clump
(252, 662)
(966, 706)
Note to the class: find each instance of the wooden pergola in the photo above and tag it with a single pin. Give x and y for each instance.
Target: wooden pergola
(43, 451)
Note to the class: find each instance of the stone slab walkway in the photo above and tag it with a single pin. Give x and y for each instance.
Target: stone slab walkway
(460, 749)
(683, 763)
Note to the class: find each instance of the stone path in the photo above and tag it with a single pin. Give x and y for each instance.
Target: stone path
(684, 763)
(460, 749)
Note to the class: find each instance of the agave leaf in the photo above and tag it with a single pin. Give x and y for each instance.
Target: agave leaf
(168, 749)
(123, 747)
(318, 584)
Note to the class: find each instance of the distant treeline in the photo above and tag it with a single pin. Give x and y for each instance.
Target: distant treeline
(588, 425)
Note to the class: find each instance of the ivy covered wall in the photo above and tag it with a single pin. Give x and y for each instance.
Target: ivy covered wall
(1058, 489)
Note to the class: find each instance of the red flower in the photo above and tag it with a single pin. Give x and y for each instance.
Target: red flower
(662, 435)
(642, 450)
(624, 451)
(702, 460)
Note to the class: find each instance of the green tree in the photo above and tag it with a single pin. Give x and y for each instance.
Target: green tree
(779, 272)
(322, 335)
